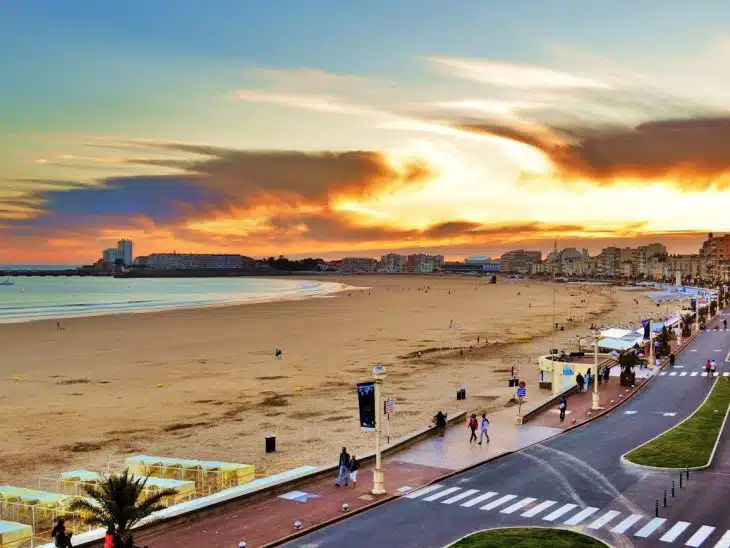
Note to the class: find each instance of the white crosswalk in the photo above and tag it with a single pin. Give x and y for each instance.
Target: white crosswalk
(693, 374)
(639, 526)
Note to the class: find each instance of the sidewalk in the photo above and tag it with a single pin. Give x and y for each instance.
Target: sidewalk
(272, 517)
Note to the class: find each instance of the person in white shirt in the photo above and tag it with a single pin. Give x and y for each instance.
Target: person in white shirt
(713, 367)
(484, 429)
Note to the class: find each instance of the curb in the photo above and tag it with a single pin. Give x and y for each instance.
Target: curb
(371, 506)
(674, 468)
(581, 532)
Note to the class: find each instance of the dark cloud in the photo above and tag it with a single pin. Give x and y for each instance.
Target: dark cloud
(691, 153)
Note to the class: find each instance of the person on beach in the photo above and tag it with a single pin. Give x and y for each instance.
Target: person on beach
(440, 420)
(473, 424)
(344, 468)
(484, 429)
(563, 406)
(354, 467)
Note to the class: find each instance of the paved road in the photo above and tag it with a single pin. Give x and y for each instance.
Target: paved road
(581, 468)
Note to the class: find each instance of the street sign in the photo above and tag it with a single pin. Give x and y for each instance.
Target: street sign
(389, 406)
(522, 384)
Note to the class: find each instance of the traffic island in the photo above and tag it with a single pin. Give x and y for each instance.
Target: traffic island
(692, 443)
(534, 536)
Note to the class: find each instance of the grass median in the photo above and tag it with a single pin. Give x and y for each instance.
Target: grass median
(529, 538)
(690, 443)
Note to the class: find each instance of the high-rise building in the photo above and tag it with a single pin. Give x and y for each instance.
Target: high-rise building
(111, 255)
(393, 262)
(125, 249)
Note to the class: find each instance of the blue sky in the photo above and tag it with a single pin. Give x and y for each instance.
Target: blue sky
(264, 75)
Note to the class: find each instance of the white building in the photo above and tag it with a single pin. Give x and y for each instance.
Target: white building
(196, 261)
(393, 262)
(111, 255)
(125, 248)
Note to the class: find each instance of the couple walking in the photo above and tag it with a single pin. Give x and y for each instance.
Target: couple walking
(349, 465)
(474, 424)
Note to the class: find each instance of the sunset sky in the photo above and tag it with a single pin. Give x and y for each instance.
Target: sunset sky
(330, 128)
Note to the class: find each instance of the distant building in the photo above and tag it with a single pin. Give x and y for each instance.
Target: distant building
(111, 255)
(519, 261)
(393, 262)
(424, 264)
(487, 263)
(125, 248)
(359, 264)
(197, 261)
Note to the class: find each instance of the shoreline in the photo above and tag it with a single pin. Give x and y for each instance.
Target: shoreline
(324, 288)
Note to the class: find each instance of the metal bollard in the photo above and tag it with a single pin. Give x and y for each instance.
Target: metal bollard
(672, 488)
(680, 480)
(688, 472)
(656, 509)
(665, 498)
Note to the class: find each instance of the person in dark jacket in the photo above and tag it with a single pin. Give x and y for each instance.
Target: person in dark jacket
(62, 540)
(354, 467)
(671, 359)
(563, 406)
(440, 420)
(344, 468)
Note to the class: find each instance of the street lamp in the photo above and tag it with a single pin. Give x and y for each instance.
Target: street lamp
(652, 361)
(379, 374)
(596, 398)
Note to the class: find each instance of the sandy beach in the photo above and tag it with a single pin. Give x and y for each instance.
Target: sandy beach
(204, 383)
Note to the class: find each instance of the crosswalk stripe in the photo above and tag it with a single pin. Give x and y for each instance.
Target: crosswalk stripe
(672, 374)
(700, 536)
(724, 541)
(443, 493)
(662, 373)
(604, 519)
(694, 373)
(726, 374)
(517, 505)
(650, 527)
(580, 516)
(625, 524)
(564, 509)
(675, 531)
(683, 374)
(467, 493)
(499, 502)
(715, 374)
(539, 508)
(424, 491)
(480, 498)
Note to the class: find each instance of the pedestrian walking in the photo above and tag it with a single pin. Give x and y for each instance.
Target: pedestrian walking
(344, 471)
(606, 373)
(578, 381)
(586, 381)
(473, 424)
(708, 367)
(354, 467)
(713, 367)
(724, 324)
(484, 429)
(563, 406)
(671, 359)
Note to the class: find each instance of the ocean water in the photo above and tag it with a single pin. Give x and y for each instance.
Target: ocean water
(36, 298)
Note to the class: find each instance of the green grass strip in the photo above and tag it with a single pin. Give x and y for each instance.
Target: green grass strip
(691, 442)
(529, 538)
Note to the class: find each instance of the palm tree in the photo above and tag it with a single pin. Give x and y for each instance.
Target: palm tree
(118, 503)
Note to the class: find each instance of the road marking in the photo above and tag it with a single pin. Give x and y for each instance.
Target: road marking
(715, 374)
(693, 350)
(700, 536)
(694, 373)
(604, 519)
(674, 532)
(424, 491)
(673, 373)
(679, 367)
(683, 374)
(539, 508)
(442, 493)
(669, 414)
(726, 374)
(704, 374)
(517, 505)
(629, 412)
(650, 527)
(724, 541)
(580, 516)
(718, 350)
(564, 509)
(625, 524)
(467, 493)
(662, 373)
(480, 498)
(499, 502)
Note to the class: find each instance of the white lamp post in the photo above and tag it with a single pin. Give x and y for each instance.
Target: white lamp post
(652, 361)
(379, 374)
(596, 398)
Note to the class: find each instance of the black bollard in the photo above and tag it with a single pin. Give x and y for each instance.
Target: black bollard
(665, 498)
(688, 472)
(672, 488)
(680, 480)
(656, 509)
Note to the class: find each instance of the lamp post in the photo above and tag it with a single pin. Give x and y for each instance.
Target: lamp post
(378, 477)
(652, 361)
(596, 398)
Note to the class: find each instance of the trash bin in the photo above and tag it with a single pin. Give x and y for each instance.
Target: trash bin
(463, 393)
(511, 383)
(270, 444)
